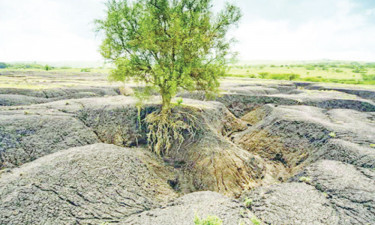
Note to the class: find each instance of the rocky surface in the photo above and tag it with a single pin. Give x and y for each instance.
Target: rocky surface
(295, 153)
(86, 185)
(9, 99)
(291, 203)
(14, 96)
(349, 189)
(209, 162)
(298, 135)
(27, 135)
(199, 204)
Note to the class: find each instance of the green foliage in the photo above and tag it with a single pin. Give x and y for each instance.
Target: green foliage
(305, 179)
(25, 66)
(370, 77)
(279, 76)
(263, 75)
(255, 220)
(210, 220)
(168, 44)
(179, 101)
(332, 134)
(47, 67)
(248, 202)
(86, 70)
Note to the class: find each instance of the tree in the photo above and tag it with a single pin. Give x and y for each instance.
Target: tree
(3, 65)
(168, 44)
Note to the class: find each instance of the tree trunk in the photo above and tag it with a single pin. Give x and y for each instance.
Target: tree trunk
(166, 103)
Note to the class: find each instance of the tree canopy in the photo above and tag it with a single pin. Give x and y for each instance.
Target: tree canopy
(168, 44)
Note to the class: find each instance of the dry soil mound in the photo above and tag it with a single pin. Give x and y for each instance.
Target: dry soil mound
(28, 135)
(199, 204)
(86, 185)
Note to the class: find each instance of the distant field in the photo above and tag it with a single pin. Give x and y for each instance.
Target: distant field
(329, 72)
(350, 73)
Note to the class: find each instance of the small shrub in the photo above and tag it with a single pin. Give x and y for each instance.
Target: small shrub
(86, 70)
(305, 179)
(248, 202)
(263, 74)
(370, 77)
(255, 220)
(179, 101)
(283, 76)
(294, 76)
(332, 134)
(210, 220)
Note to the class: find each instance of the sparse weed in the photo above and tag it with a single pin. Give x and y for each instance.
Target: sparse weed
(210, 220)
(179, 101)
(306, 180)
(255, 220)
(248, 202)
(332, 134)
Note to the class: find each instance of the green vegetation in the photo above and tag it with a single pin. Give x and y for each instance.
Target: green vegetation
(47, 67)
(248, 202)
(86, 70)
(306, 180)
(255, 220)
(326, 72)
(210, 220)
(332, 134)
(168, 44)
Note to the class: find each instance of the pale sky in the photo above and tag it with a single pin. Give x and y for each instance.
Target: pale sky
(63, 30)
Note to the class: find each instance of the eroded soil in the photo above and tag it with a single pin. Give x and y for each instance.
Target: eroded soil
(297, 153)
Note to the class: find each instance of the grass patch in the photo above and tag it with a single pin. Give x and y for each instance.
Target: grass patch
(209, 220)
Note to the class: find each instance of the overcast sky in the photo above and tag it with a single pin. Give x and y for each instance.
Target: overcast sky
(63, 30)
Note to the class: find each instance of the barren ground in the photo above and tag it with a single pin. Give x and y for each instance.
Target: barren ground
(72, 151)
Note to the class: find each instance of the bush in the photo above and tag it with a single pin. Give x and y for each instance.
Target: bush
(370, 77)
(248, 202)
(255, 220)
(86, 70)
(263, 75)
(280, 76)
(3, 65)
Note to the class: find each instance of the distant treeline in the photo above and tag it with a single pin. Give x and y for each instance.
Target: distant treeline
(4, 65)
(25, 66)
